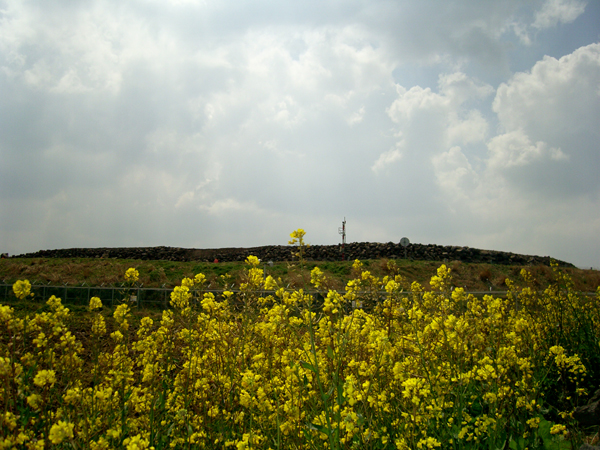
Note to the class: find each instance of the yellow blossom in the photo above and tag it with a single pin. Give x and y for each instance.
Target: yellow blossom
(428, 443)
(180, 297)
(98, 326)
(297, 236)
(270, 283)
(95, 303)
(136, 443)
(22, 289)
(187, 282)
(317, 277)
(61, 431)
(34, 400)
(45, 377)
(252, 261)
(557, 429)
(120, 315)
(200, 278)
(132, 275)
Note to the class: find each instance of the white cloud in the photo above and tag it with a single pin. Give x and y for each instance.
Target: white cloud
(185, 199)
(411, 102)
(461, 88)
(558, 11)
(455, 175)
(386, 159)
(551, 114)
(563, 93)
(471, 128)
(547, 145)
(430, 122)
(357, 116)
(514, 149)
(539, 169)
(230, 205)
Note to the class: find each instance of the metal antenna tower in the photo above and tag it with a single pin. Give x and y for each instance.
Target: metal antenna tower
(342, 231)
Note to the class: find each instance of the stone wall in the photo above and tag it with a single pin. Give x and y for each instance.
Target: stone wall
(352, 251)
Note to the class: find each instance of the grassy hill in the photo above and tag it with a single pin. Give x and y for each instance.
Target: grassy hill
(100, 271)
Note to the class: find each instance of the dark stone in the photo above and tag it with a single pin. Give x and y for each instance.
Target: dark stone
(360, 250)
(589, 415)
(589, 447)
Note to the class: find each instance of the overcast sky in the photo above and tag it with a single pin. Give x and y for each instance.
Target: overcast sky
(222, 123)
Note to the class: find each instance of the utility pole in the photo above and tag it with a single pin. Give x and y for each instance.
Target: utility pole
(342, 231)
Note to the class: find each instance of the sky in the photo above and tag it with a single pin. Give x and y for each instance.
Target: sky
(221, 123)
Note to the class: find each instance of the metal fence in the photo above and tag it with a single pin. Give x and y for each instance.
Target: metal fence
(143, 297)
(112, 295)
(81, 295)
(154, 297)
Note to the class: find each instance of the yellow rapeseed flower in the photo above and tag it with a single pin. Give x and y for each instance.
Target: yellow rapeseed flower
(428, 443)
(252, 261)
(98, 325)
(297, 236)
(102, 444)
(180, 297)
(6, 313)
(132, 275)
(317, 277)
(200, 278)
(95, 303)
(60, 431)
(136, 443)
(271, 284)
(5, 366)
(34, 400)
(120, 315)
(22, 289)
(45, 377)
(557, 429)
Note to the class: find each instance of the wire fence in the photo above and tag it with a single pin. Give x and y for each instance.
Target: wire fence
(156, 297)
(81, 295)
(110, 295)
(142, 296)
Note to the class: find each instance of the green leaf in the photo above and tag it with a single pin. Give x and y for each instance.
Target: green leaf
(328, 394)
(519, 444)
(340, 394)
(308, 366)
(320, 428)
(550, 441)
(329, 352)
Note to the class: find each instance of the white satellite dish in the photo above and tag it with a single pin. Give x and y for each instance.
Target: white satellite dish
(404, 242)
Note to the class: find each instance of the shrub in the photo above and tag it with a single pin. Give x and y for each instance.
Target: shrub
(485, 275)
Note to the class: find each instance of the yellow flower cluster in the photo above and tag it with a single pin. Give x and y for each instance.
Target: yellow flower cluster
(22, 289)
(298, 239)
(61, 431)
(132, 275)
(382, 365)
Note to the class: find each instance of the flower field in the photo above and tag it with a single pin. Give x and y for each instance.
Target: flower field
(385, 364)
